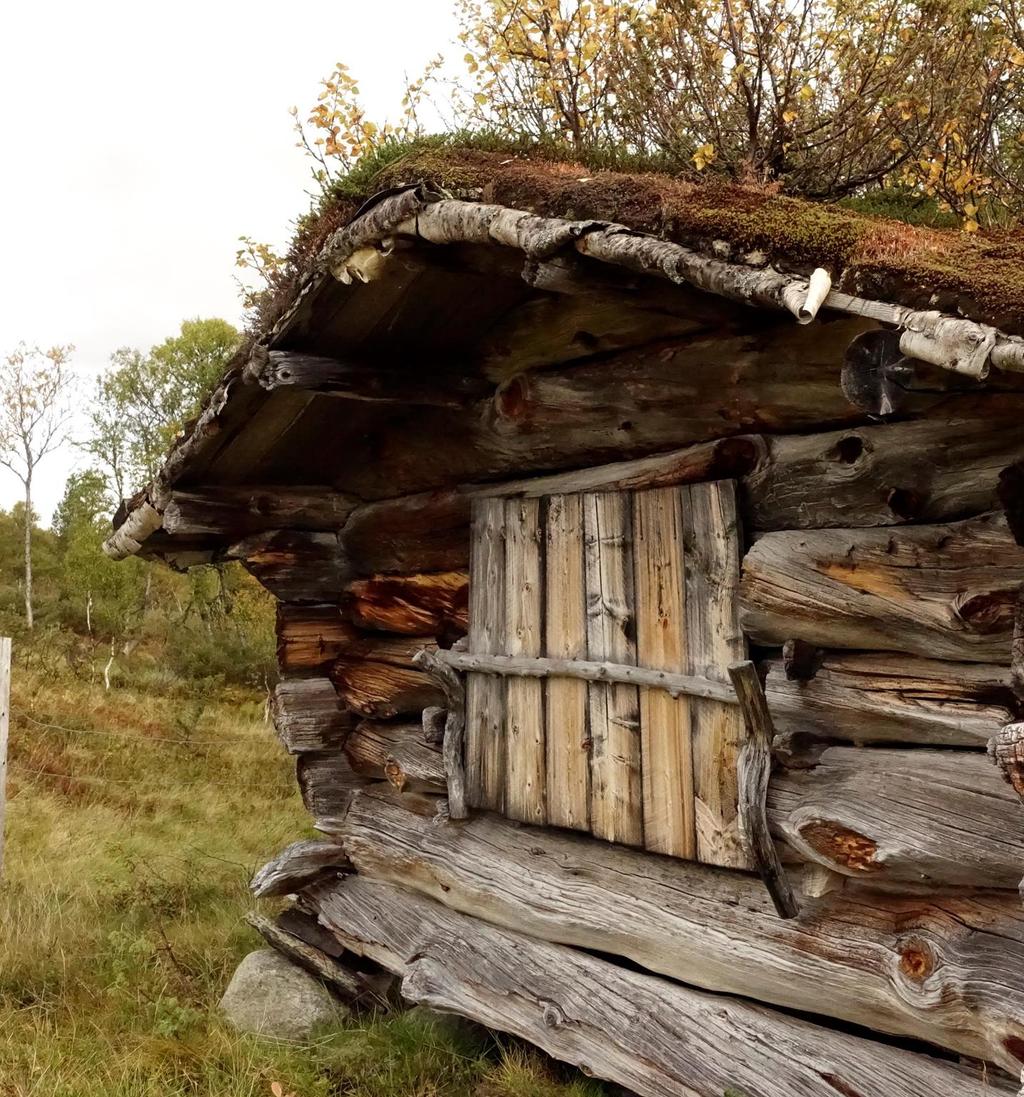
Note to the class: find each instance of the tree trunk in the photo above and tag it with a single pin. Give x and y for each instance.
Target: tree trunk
(29, 620)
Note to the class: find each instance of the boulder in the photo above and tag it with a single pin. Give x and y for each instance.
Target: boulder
(269, 996)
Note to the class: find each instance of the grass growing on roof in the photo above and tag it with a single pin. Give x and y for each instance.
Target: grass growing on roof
(135, 821)
(888, 245)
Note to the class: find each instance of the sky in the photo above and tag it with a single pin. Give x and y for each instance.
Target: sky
(142, 140)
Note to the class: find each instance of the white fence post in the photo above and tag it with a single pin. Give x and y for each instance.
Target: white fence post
(5, 713)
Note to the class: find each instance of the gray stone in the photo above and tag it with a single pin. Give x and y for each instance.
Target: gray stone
(269, 996)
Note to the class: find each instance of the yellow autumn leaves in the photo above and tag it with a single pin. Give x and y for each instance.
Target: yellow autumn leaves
(826, 98)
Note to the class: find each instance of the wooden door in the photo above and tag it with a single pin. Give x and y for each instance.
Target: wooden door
(645, 579)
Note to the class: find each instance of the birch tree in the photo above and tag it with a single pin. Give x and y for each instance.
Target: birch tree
(35, 390)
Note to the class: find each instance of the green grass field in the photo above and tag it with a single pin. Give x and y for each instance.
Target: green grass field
(135, 820)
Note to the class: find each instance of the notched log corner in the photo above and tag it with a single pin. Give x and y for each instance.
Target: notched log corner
(1006, 749)
(1011, 497)
(801, 660)
(297, 866)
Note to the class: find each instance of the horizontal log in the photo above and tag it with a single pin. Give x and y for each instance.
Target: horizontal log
(413, 533)
(360, 380)
(655, 1037)
(944, 591)
(929, 470)
(867, 698)
(934, 469)
(295, 565)
(620, 406)
(722, 459)
(397, 753)
(238, 511)
(524, 666)
(383, 691)
(309, 638)
(327, 783)
(297, 866)
(921, 816)
(947, 970)
(309, 716)
(415, 605)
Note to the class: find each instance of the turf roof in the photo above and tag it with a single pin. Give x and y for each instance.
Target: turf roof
(979, 276)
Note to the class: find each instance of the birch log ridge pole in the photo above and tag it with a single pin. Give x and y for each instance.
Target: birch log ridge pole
(5, 714)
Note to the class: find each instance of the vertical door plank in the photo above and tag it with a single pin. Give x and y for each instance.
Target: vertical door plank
(616, 806)
(525, 785)
(568, 753)
(485, 693)
(661, 644)
(715, 640)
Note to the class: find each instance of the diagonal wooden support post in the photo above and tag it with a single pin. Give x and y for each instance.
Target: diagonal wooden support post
(755, 764)
(453, 746)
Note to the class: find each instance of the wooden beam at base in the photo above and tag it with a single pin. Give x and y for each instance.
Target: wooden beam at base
(657, 1038)
(946, 969)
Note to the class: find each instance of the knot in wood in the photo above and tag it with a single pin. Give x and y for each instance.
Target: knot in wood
(841, 845)
(917, 960)
(988, 612)
(552, 1016)
(394, 773)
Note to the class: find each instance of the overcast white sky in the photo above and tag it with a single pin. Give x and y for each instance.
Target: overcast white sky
(141, 140)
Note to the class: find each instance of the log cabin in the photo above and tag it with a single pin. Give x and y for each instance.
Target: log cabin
(651, 647)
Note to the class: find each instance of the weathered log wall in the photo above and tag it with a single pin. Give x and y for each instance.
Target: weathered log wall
(946, 970)
(658, 1038)
(880, 543)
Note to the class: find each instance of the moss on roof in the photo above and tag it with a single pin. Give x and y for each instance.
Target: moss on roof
(980, 276)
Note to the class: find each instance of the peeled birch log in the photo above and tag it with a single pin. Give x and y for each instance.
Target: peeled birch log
(949, 970)
(397, 753)
(657, 1038)
(924, 470)
(295, 565)
(923, 816)
(238, 511)
(945, 591)
(309, 716)
(413, 605)
(383, 691)
(872, 698)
